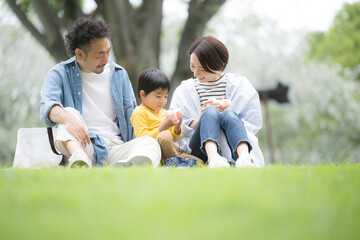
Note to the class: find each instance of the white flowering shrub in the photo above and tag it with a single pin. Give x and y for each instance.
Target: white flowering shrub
(321, 124)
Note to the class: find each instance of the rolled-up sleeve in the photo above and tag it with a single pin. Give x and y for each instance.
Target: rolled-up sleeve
(51, 95)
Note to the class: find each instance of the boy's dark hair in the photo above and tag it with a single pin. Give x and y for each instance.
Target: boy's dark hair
(84, 30)
(152, 79)
(212, 54)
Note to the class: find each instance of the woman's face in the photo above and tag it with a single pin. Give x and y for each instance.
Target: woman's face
(200, 73)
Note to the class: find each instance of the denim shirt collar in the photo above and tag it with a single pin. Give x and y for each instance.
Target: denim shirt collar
(72, 60)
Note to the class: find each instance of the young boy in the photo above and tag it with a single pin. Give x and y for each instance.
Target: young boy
(150, 119)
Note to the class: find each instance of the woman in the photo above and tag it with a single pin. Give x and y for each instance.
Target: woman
(221, 111)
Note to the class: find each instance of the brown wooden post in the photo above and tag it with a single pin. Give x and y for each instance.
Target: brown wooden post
(278, 94)
(269, 133)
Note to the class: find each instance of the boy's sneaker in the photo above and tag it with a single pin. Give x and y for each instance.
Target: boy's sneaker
(79, 159)
(244, 161)
(172, 162)
(136, 160)
(218, 161)
(187, 163)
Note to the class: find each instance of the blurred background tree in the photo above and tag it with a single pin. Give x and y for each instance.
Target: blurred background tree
(320, 125)
(23, 64)
(341, 44)
(136, 28)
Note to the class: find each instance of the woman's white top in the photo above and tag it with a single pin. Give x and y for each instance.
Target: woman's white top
(245, 103)
(212, 89)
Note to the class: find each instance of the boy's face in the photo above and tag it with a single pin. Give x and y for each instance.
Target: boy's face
(155, 100)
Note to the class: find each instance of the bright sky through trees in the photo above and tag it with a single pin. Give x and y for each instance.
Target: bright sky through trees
(311, 15)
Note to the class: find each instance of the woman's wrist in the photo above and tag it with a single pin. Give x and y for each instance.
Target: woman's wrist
(194, 123)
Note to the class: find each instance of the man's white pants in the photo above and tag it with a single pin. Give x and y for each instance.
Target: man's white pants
(117, 150)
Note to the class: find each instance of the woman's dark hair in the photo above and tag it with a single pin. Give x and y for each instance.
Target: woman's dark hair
(212, 54)
(152, 79)
(84, 30)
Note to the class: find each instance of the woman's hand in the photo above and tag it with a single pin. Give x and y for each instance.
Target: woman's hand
(224, 104)
(211, 101)
(221, 105)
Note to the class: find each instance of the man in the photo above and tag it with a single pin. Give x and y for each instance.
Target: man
(91, 100)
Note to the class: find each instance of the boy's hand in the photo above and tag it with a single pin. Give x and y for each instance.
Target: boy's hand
(177, 126)
(168, 122)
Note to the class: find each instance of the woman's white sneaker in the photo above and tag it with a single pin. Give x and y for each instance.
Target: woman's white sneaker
(244, 161)
(218, 161)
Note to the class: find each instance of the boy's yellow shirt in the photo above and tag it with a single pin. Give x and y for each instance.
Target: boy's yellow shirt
(146, 122)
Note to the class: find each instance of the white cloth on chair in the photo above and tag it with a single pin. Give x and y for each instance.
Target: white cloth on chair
(33, 149)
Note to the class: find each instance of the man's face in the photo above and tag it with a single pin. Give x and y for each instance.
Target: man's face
(95, 57)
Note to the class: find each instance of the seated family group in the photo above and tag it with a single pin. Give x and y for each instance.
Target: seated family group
(213, 121)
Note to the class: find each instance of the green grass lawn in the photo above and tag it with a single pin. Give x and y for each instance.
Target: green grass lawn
(275, 202)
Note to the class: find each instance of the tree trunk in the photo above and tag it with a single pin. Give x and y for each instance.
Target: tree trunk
(51, 35)
(135, 34)
(200, 12)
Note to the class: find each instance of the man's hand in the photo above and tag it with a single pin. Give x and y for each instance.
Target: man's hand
(77, 129)
(73, 125)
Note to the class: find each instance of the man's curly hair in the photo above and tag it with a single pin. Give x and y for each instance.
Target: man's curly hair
(84, 30)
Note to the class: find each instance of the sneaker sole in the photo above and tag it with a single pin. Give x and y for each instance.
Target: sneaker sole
(137, 160)
(79, 164)
(248, 165)
(223, 166)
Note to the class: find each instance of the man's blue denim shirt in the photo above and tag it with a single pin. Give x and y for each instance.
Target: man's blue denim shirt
(63, 87)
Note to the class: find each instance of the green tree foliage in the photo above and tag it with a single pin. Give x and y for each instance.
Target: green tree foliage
(341, 44)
